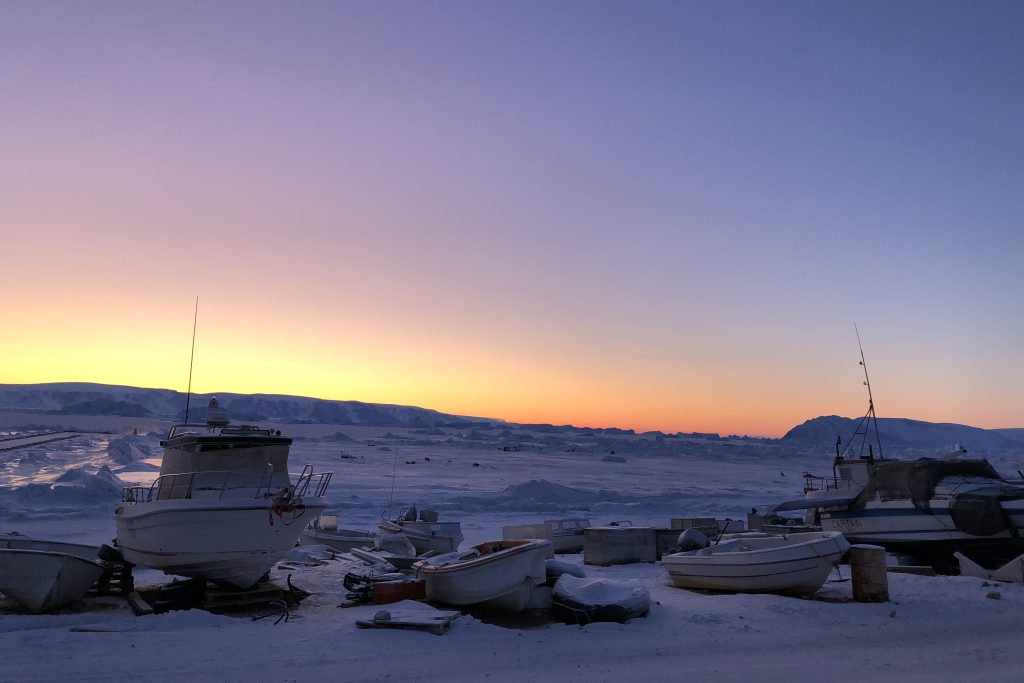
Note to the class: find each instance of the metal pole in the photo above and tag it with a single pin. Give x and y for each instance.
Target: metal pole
(188, 398)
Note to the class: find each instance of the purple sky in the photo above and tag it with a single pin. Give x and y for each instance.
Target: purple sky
(661, 215)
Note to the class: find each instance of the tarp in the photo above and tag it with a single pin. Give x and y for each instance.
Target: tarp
(979, 512)
(916, 479)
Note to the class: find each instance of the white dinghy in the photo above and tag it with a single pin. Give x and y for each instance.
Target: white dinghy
(42, 580)
(568, 534)
(797, 564)
(500, 574)
(324, 530)
(425, 533)
(17, 541)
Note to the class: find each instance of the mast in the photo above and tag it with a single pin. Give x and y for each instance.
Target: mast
(188, 397)
(870, 420)
(871, 398)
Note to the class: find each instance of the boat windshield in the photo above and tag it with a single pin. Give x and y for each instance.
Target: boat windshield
(206, 430)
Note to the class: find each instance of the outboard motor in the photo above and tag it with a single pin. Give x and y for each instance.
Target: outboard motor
(692, 539)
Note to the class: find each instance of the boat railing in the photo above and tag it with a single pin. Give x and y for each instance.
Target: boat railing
(813, 483)
(214, 484)
(186, 485)
(305, 481)
(264, 490)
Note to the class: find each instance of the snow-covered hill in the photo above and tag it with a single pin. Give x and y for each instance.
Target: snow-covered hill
(900, 437)
(101, 399)
(903, 434)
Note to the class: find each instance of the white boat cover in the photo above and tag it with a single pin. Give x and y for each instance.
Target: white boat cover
(587, 600)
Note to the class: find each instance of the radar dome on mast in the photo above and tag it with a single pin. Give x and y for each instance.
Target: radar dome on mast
(215, 415)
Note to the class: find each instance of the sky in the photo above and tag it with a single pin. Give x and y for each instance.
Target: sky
(656, 215)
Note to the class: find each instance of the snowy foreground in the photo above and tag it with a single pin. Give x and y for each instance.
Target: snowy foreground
(938, 628)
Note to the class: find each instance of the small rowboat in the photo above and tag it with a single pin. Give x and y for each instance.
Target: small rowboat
(499, 574)
(324, 530)
(795, 564)
(42, 580)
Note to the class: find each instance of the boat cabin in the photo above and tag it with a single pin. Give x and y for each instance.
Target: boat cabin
(218, 454)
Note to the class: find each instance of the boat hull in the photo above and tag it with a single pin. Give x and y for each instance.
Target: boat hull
(42, 580)
(503, 578)
(931, 537)
(341, 540)
(794, 565)
(15, 541)
(232, 542)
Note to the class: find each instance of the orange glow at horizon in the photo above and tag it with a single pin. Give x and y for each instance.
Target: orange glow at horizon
(258, 350)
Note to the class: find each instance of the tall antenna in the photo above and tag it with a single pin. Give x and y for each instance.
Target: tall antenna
(863, 364)
(869, 419)
(394, 473)
(188, 398)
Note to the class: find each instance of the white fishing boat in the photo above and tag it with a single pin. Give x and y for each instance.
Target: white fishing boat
(928, 508)
(568, 534)
(424, 531)
(797, 564)
(324, 530)
(224, 507)
(42, 580)
(498, 574)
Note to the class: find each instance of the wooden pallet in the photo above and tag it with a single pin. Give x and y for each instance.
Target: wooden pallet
(431, 621)
(117, 579)
(220, 600)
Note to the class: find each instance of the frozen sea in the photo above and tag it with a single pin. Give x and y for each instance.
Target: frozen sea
(934, 628)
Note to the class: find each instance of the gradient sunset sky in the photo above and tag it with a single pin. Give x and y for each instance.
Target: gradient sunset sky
(636, 214)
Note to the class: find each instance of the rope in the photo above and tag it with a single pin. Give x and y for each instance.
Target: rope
(286, 503)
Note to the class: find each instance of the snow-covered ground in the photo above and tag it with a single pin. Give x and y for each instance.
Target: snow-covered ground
(940, 628)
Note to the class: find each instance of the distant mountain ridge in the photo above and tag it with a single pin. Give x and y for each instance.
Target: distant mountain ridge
(901, 433)
(83, 398)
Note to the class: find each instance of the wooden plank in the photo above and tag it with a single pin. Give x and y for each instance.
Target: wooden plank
(215, 599)
(139, 604)
(919, 570)
(367, 556)
(99, 629)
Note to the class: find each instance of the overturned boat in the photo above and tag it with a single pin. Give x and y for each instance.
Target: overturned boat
(324, 530)
(795, 564)
(424, 531)
(498, 574)
(224, 507)
(43, 575)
